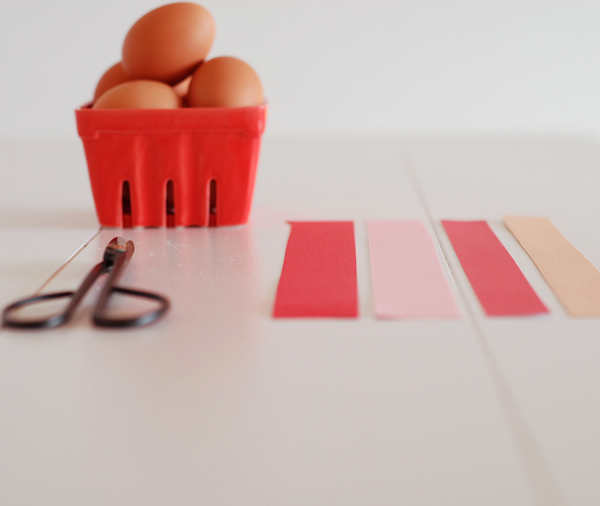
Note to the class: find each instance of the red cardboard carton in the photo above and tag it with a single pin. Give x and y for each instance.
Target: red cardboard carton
(176, 167)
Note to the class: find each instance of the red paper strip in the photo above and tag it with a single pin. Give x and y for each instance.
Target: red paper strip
(496, 279)
(318, 278)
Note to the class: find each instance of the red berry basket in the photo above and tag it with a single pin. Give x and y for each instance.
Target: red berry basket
(172, 167)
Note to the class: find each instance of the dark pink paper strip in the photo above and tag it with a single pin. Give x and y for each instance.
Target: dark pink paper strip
(496, 279)
(318, 278)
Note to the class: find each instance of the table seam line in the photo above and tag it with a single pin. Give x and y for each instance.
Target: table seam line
(63, 266)
(539, 476)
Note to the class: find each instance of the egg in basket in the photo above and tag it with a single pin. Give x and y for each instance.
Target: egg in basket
(172, 139)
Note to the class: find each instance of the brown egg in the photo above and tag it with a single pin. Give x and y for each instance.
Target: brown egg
(113, 76)
(183, 87)
(139, 95)
(225, 82)
(168, 43)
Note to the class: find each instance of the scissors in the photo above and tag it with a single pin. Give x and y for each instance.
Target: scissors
(116, 257)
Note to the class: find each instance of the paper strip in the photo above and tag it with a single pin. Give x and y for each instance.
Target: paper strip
(573, 278)
(496, 279)
(318, 278)
(407, 278)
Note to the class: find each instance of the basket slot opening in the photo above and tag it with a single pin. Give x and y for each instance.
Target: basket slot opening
(212, 204)
(170, 204)
(126, 205)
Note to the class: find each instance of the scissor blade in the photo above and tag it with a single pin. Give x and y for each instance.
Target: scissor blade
(118, 246)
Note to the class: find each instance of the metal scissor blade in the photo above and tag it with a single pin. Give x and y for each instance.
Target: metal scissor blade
(116, 247)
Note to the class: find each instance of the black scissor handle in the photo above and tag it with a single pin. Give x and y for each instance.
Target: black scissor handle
(144, 319)
(9, 319)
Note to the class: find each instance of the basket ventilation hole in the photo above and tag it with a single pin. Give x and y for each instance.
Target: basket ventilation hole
(170, 204)
(126, 205)
(212, 209)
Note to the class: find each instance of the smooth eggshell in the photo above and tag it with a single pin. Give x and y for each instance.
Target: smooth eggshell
(168, 43)
(183, 87)
(225, 82)
(139, 95)
(111, 78)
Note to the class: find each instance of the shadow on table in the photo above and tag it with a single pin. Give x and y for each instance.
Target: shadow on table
(52, 218)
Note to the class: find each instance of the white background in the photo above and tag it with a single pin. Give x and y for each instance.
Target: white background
(334, 66)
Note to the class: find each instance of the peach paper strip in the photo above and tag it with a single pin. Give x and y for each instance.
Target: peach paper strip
(408, 281)
(573, 278)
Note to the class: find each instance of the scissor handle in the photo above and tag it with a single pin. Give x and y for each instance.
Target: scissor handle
(144, 319)
(9, 319)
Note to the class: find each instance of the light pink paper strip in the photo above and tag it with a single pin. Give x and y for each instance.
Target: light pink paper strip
(408, 281)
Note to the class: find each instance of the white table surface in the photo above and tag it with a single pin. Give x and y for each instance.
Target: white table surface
(220, 404)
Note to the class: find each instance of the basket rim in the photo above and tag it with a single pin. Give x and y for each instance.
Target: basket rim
(88, 107)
